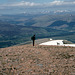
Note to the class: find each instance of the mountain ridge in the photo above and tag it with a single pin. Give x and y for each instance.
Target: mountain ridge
(40, 60)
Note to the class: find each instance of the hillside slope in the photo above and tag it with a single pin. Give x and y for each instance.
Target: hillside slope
(17, 29)
(38, 60)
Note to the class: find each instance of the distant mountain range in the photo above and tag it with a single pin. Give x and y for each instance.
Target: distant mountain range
(16, 29)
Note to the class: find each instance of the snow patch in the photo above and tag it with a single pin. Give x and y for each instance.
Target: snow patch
(57, 43)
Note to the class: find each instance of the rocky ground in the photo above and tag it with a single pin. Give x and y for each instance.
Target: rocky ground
(37, 60)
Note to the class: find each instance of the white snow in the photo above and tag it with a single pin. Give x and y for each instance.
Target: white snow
(53, 42)
(57, 43)
(71, 45)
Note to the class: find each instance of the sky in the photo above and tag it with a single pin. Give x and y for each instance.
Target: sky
(26, 6)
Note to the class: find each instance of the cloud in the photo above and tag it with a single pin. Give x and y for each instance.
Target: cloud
(56, 4)
(25, 4)
(60, 3)
(22, 3)
(31, 4)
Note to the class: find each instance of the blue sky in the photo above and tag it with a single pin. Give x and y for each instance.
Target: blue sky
(20, 6)
(36, 1)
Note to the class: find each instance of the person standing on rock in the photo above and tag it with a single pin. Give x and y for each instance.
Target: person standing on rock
(33, 39)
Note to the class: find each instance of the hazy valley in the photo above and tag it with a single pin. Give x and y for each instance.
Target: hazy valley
(16, 29)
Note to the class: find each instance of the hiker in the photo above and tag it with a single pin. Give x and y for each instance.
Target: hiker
(33, 39)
